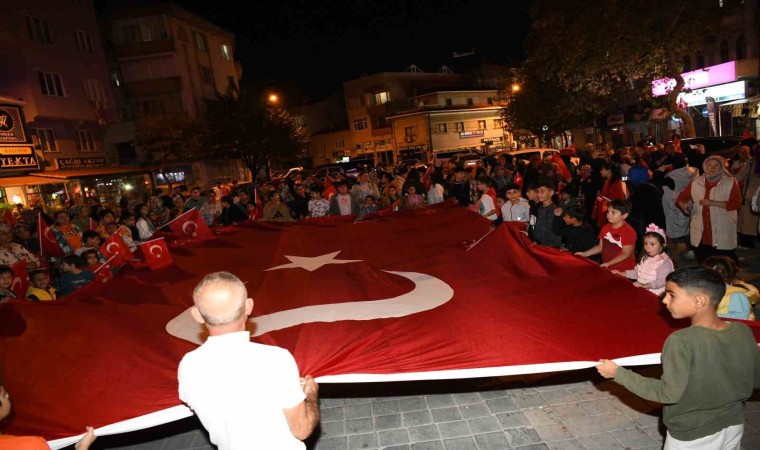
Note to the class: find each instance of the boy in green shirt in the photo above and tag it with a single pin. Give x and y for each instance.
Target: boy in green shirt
(708, 369)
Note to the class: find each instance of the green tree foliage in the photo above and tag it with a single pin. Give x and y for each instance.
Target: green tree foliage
(242, 126)
(599, 49)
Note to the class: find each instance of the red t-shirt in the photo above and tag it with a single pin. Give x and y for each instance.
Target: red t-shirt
(613, 240)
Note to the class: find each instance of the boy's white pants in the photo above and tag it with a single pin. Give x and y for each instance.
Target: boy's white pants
(729, 438)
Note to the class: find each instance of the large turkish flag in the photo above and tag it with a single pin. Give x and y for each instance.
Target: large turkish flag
(401, 297)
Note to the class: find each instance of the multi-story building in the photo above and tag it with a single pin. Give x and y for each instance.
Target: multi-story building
(53, 61)
(370, 100)
(447, 122)
(326, 123)
(165, 60)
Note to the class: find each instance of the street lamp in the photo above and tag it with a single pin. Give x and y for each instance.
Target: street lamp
(273, 98)
(516, 87)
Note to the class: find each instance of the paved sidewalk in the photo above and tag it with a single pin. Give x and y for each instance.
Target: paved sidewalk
(562, 411)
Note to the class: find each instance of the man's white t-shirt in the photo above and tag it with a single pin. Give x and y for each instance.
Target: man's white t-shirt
(238, 390)
(344, 203)
(486, 204)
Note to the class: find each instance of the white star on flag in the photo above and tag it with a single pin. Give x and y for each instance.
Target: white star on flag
(312, 264)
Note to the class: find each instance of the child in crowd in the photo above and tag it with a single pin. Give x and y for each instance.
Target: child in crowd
(413, 200)
(568, 224)
(617, 239)
(112, 228)
(655, 263)
(318, 205)
(459, 188)
(6, 281)
(74, 276)
(368, 207)
(740, 297)
(106, 216)
(128, 230)
(40, 289)
(486, 204)
(90, 241)
(708, 368)
(92, 260)
(391, 199)
(543, 230)
(435, 193)
(516, 208)
(342, 204)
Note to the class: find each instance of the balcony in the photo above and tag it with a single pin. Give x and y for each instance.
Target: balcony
(144, 48)
(154, 86)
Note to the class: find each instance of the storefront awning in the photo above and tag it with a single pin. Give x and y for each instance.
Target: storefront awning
(26, 181)
(754, 99)
(94, 172)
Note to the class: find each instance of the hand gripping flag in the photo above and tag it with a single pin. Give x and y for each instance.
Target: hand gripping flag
(115, 247)
(190, 226)
(48, 242)
(156, 254)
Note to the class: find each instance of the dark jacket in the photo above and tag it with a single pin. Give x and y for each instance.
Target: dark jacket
(542, 231)
(232, 214)
(459, 191)
(577, 239)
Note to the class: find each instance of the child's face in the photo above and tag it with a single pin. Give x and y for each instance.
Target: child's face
(6, 279)
(567, 219)
(680, 302)
(40, 281)
(66, 267)
(92, 259)
(531, 194)
(108, 218)
(129, 222)
(343, 189)
(513, 195)
(615, 217)
(392, 191)
(112, 228)
(482, 187)
(411, 190)
(499, 202)
(544, 194)
(652, 246)
(93, 241)
(369, 202)
(315, 195)
(565, 195)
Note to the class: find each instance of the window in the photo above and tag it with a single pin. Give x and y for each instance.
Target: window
(469, 101)
(498, 123)
(206, 75)
(360, 124)
(490, 100)
(45, 140)
(152, 107)
(85, 143)
(460, 126)
(226, 52)
(481, 124)
(410, 132)
(355, 102)
(200, 41)
(39, 30)
(84, 43)
(442, 128)
(741, 47)
(231, 84)
(50, 84)
(380, 122)
(700, 61)
(95, 93)
(144, 29)
(340, 144)
(448, 102)
(724, 51)
(382, 97)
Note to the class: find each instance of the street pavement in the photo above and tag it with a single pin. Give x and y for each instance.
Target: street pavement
(561, 411)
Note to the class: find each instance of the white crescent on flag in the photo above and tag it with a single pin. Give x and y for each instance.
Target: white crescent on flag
(16, 282)
(49, 235)
(160, 252)
(185, 226)
(108, 248)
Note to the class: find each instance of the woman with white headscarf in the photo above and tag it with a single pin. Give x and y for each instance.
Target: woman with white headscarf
(713, 200)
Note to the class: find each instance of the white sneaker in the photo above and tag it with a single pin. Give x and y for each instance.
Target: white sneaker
(690, 255)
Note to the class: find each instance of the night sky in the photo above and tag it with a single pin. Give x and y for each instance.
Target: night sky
(307, 49)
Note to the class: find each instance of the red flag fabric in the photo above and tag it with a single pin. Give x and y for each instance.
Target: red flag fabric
(329, 188)
(258, 207)
(564, 172)
(190, 226)
(348, 307)
(156, 254)
(92, 225)
(20, 279)
(115, 248)
(48, 243)
(8, 217)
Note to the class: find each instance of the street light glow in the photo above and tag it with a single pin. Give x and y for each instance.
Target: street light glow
(516, 87)
(273, 98)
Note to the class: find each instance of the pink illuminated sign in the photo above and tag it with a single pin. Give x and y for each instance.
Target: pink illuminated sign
(709, 76)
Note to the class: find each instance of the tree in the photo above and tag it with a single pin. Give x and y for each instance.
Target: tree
(241, 126)
(169, 137)
(598, 49)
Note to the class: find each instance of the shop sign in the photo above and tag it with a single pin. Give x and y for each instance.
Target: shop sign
(709, 76)
(615, 119)
(11, 125)
(491, 140)
(80, 163)
(722, 93)
(412, 148)
(475, 133)
(15, 158)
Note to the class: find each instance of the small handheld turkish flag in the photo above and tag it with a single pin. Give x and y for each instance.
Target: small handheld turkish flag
(20, 280)
(92, 225)
(115, 247)
(190, 226)
(157, 254)
(48, 243)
